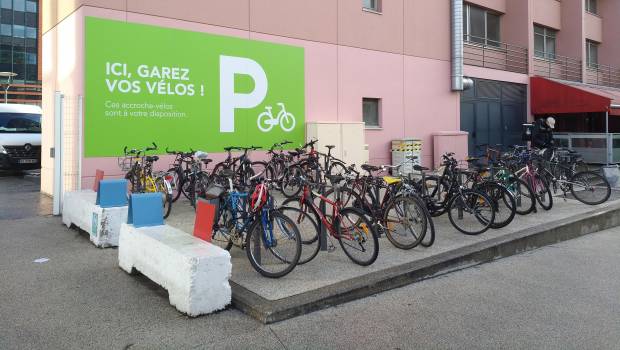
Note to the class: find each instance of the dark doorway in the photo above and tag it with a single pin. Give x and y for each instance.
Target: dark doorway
(493, 113)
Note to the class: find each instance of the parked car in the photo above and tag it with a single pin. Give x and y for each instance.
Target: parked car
(20, 137)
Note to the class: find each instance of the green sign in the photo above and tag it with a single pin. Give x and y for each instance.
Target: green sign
(185, 90)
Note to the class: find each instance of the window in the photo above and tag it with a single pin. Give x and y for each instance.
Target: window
(544, 42)
(591, 6)
(19, 31)
(592, 54)
(6, 4)
(373, 5)
(31, 58)
(371, 112)
(6, 29)
(19, 5)
(481, 26)
(31, 6)
(31, 32)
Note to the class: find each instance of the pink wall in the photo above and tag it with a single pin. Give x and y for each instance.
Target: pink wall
(415, 93)
(548, 13)
(609, 51)
(417, 21)
(570, 40)
(593, 28)
(497, 5)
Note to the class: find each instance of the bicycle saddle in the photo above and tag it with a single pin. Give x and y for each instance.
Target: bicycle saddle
(230, 148)
(472, 159)
(420, 168)
(206, 161)
(330, 146)
(334, 179)
(293, 153)
(152, 158)
(370, 168)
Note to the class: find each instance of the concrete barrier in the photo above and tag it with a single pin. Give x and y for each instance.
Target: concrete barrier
(194, 272)
(102, 224)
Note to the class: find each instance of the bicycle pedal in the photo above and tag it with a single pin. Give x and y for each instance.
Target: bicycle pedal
(331, 248)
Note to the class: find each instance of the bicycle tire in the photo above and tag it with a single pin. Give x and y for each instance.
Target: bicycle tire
(397, 239)
(177, 183)
(543, 194)
(601, 182)
(223, 222)
(291, 182)
(473, 198)
(435, 203)
(337, 168)
(309, 231)
(255, 236)
(166, 197)
(368, 234)
(502, 198)
(523, 194)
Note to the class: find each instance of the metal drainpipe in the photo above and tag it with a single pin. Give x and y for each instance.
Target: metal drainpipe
(457, 44)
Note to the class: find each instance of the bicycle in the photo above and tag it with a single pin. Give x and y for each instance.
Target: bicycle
(141, 177)
(266, 121)
(587, 187)
(271, 240)
(348, 225)
(449, 194)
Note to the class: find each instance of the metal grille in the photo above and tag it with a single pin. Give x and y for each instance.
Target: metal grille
(558, 67)
(22, 151)
(494, 54)
(70, 138)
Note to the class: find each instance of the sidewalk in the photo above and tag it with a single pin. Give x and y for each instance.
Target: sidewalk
(331, 278)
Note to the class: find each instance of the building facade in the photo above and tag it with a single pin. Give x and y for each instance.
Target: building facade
(386, 63)
(20, 30)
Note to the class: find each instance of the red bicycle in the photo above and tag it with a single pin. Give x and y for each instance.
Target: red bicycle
(354, 231)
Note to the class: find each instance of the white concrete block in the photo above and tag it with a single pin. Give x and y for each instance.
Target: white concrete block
(102, 224)
(194, 272)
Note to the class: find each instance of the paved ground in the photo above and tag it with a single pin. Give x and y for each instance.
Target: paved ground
(560, 297)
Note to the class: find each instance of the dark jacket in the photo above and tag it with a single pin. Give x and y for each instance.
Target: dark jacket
(543, 135)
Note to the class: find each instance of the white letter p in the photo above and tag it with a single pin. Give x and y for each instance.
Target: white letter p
(229, 100)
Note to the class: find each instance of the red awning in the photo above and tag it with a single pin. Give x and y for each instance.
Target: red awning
(552, 97)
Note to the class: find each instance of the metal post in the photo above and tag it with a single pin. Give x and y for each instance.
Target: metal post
(608, 139)
(80, 141)
(57, 191)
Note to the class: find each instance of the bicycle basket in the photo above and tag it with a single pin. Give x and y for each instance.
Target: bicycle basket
(214, 191)
(125, 163)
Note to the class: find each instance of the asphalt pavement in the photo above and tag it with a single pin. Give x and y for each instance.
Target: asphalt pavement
(564, 296)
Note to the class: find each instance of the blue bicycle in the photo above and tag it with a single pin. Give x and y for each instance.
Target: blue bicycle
(250, 221)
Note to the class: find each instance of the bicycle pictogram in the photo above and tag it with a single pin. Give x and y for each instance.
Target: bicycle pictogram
(266, 121)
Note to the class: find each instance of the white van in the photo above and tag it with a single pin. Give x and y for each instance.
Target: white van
(20, 137)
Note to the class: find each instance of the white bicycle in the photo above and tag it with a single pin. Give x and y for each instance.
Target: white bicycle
(266, 121)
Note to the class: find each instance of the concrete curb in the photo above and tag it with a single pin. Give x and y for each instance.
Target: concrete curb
(270, 311)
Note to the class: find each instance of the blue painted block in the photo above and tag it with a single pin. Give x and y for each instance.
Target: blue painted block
(145, 209)
(112, 193)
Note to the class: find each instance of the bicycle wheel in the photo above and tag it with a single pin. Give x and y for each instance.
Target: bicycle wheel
(590, 188)
(504, 203)
(524, 197)
(224, 226)
(357, 237)
(337, 168)
(176, 183)
(259, 167)
(471, 212)
(542, 192)
(405, 222)
(166, 197)
(291, 182)
(437, 194)
(273, 244)
(309, 231)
